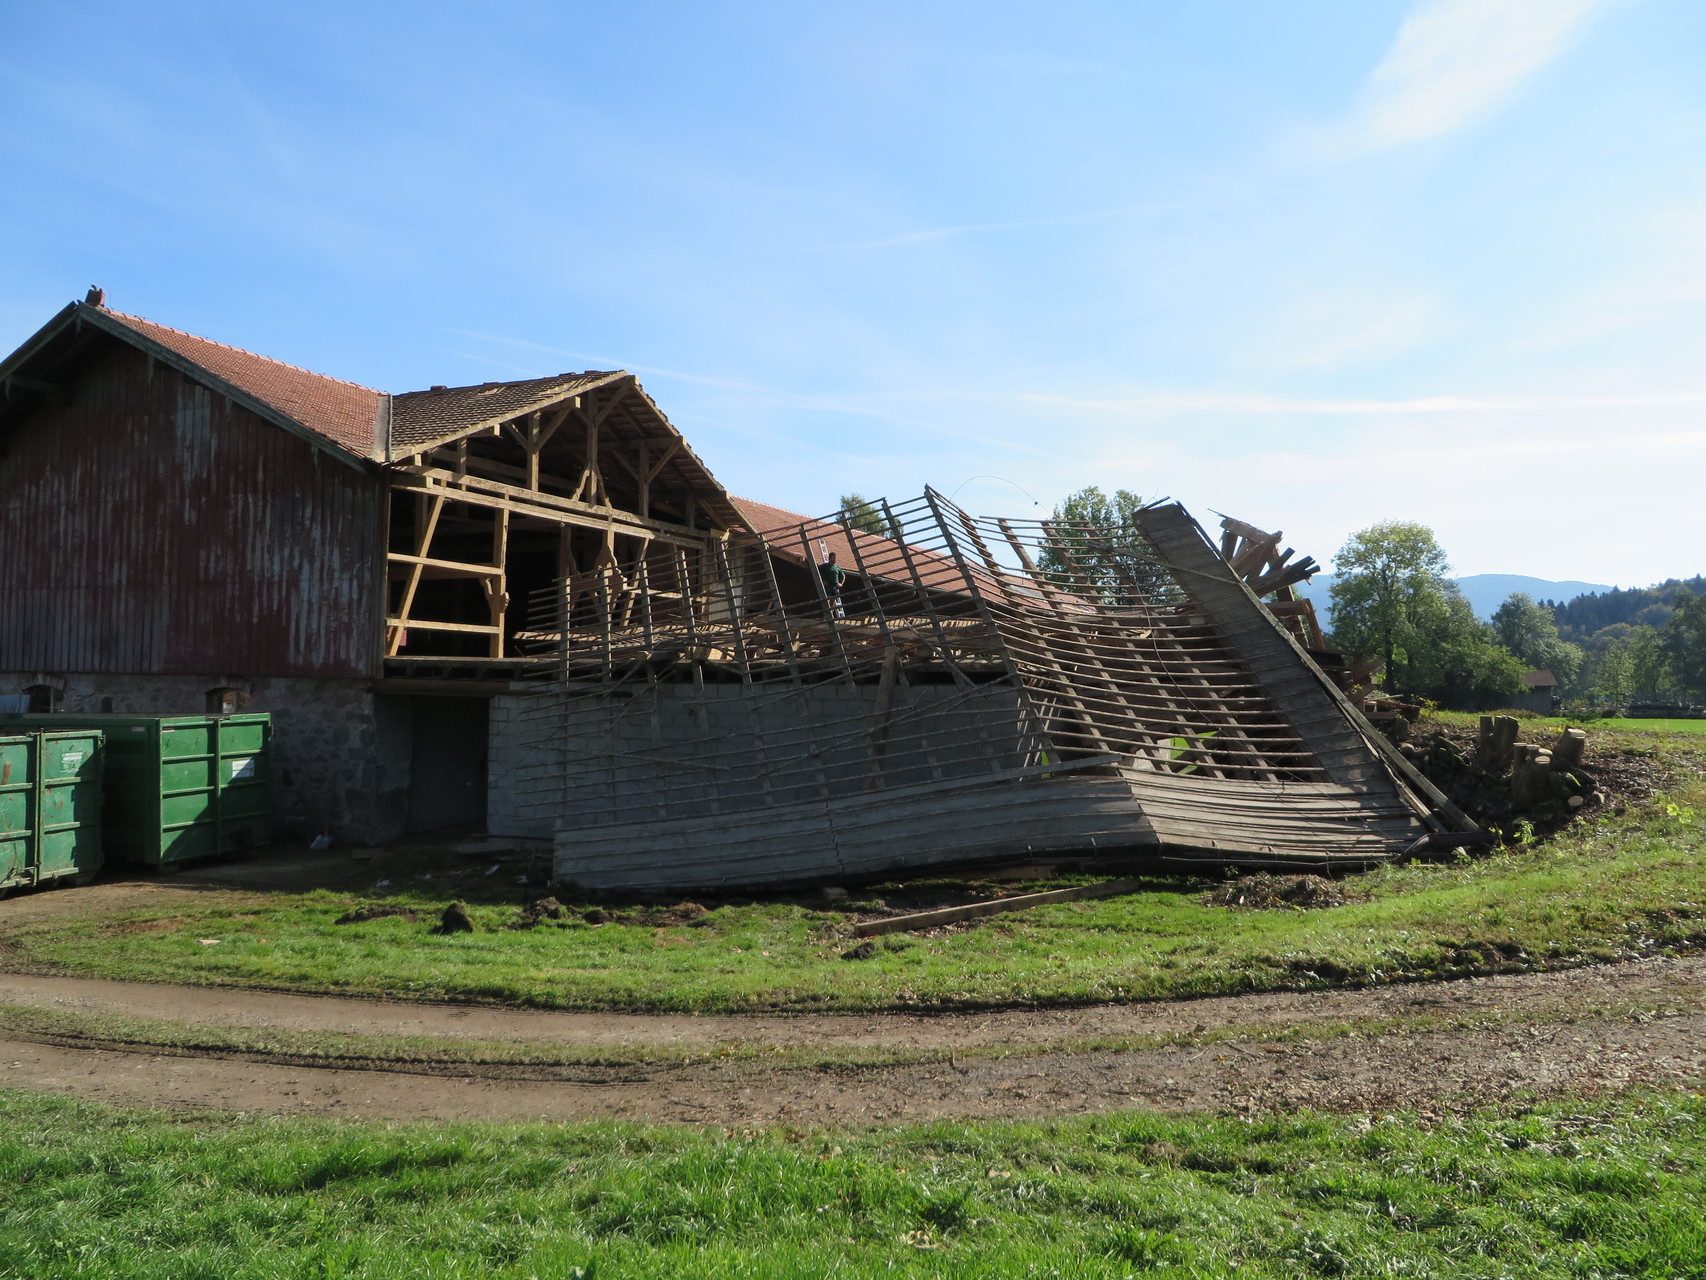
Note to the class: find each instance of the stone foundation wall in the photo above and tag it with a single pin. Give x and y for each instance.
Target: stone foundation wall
(340, 755)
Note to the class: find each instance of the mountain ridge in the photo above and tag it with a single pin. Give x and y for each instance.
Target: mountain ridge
(1484, 591)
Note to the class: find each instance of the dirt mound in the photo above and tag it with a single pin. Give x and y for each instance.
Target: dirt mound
(454, 920)
(649, 917)
(1264, 892)
(538, 911)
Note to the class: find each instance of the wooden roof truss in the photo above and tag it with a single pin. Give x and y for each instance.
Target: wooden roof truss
(962, 652)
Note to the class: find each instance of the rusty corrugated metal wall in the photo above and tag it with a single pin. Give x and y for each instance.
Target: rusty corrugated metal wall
(151, 526)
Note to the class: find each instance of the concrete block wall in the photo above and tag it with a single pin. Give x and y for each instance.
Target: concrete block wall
(338, 765)
(728, 748)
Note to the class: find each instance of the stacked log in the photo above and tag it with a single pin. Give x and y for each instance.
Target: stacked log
(1504, 781)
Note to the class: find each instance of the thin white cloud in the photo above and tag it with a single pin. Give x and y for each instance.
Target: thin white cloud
(936, 233)
(1215, 402)
(845, 404)
(1453, 62)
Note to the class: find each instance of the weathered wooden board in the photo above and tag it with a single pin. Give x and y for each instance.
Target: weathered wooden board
(856, 838)
(911, 830)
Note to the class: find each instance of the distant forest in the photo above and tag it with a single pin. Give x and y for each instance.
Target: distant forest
(1578, 619)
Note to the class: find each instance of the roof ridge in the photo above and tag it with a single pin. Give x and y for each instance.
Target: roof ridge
(509, 382)
(244, 351)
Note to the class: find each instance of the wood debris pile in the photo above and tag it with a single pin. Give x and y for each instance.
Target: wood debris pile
(970, 689)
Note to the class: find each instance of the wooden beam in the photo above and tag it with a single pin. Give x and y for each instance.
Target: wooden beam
(395, 637)
(478, 491)
(995, 906)
(497, 589)
(420, 624)
(448, 566)
(53, 390)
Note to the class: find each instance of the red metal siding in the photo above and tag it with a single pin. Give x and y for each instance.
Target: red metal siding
(151, 526)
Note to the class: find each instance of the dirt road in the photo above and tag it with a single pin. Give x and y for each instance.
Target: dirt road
(1432, 1048)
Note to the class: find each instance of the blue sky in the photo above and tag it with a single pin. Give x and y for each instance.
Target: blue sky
(1314, 264)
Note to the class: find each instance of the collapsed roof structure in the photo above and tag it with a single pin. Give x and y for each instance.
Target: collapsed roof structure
(683, 704)
(981, 689)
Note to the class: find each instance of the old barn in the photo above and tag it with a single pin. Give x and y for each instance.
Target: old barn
(193, 527)
(529, 605)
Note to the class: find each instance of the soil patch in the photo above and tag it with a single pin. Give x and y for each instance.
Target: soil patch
(1468, 1044)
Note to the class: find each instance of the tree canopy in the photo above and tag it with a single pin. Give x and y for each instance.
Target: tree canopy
(1095, 544)
(859, 512)
(1684, 642)
(1392, 599)
(1530, 631)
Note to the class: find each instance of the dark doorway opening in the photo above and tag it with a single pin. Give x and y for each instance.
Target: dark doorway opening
(447, 763)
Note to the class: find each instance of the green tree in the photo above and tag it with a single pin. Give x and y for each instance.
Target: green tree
(1388, 577)
(1530, 631)
(1683, 640)
(859, 512)
(1454, 658)
(1391, 599)
(1650, 673)
(1094, 546)
(1613, 674)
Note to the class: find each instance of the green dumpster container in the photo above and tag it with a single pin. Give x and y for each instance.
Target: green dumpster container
(50, 808)
(178, 788)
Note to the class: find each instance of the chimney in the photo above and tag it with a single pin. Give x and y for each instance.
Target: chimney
(96, 297)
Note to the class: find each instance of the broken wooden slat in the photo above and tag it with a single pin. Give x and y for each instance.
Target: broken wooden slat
(995, 906)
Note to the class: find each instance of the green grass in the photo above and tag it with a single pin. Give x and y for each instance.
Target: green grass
(1620, 887)
(1591, 1189)
(1535, 724)
(1652, 726)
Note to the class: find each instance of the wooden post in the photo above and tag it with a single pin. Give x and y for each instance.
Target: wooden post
(429, 525)
(1567, 751)
(497, 586)
(880, 728)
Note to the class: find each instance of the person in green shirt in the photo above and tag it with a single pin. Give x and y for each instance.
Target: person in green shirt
(834, 580)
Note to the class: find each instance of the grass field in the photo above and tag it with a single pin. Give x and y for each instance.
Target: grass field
(1591, 1189)
(1619, 887)
(1622, 725)
(1651, 726)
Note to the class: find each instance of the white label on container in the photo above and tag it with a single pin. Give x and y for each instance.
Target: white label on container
(71, 759)
(243, 768)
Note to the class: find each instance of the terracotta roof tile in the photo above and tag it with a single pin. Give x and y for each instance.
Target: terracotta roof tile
(781, 529)
(343, 412)
(420, 418)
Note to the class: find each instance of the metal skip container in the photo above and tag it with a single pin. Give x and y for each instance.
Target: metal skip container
(50, 808)
(179, 788)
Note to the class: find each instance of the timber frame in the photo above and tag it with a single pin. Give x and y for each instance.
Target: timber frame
(494, 492)
(979, 688)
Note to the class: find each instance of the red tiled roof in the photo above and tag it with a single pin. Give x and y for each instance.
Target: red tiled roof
(782, 528)
(421, 418)
(343, 412)
(781, 531)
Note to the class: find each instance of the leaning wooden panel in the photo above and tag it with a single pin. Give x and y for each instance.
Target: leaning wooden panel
(952, 690)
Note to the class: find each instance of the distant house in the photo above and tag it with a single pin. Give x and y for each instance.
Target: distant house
(1539, 691)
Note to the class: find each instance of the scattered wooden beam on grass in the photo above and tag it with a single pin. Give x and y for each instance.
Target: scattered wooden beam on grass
(994, 906)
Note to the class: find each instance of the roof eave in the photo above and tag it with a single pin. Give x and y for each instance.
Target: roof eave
(33, 344)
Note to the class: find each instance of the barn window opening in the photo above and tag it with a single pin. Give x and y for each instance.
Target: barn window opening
(224, 702)
(42, 698)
